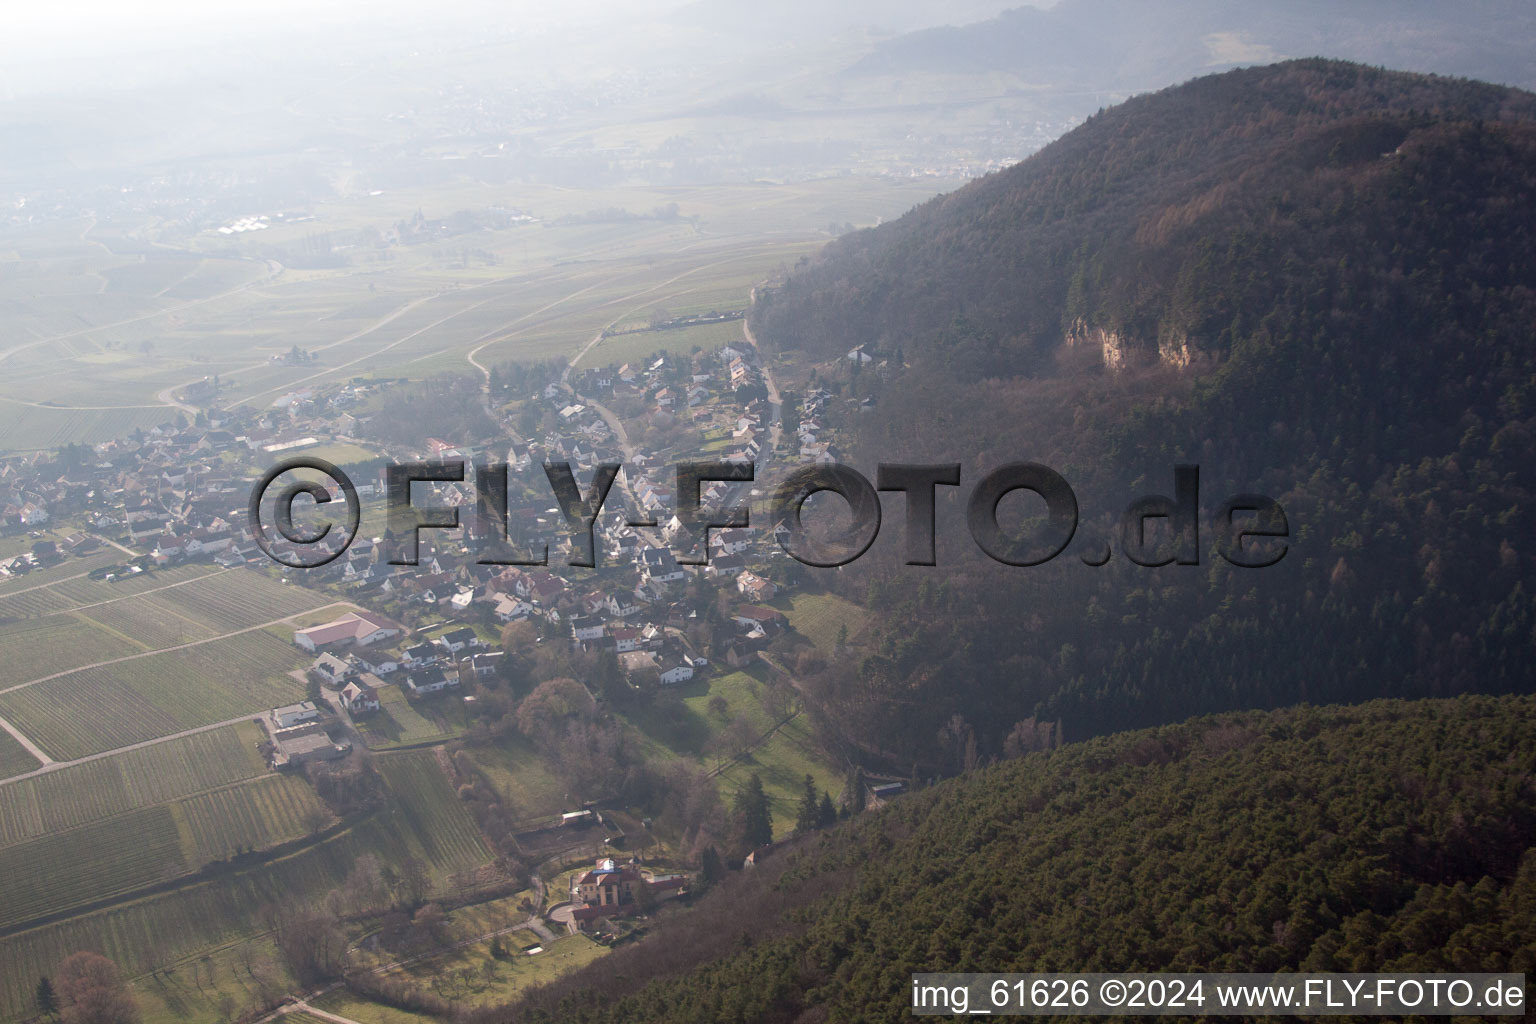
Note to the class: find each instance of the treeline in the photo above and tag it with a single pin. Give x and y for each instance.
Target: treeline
(1394, 836)
(451, 408)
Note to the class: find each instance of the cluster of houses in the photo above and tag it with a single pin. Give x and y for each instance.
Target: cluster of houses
(354, 659)
(179, 479)
(676, 384)
(812, 441)
(47, 552)
(178, 492)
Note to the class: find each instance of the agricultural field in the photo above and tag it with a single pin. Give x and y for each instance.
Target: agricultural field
(67, 869)
(14, 758)
(147, 622)
(191, 920)
(119, 328)
(428, 806)
(626, 348)
(238, 599)
(79, 794)
(30, 602)
(154, 695)
(31, 648)
(86, 592)
(66, 625)
(252, 815)
(29, 428)
(65, 570)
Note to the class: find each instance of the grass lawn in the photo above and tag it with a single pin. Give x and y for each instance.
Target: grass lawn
(818, 617)
(521, 776)
(491, 916)
(472, 977)
(782, 759)
(345, 1004)
(212, 988)
(341, 454)
(401, 722)
(686, 731)
(783, 762)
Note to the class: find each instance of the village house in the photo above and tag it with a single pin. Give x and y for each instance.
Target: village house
(756, 588)
(420, 656)
(586, 627)
(770, 621)
(291, 715)
(379, 664)
(487, 662)
(429, 680)
(455, 641)
(295, 751)
(361, 695)
(607, 884)
(672, 670)
(332, 669)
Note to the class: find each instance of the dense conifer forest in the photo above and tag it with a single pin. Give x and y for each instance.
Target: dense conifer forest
(1392, 835)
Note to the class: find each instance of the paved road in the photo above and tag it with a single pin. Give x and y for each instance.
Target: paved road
(775, 400)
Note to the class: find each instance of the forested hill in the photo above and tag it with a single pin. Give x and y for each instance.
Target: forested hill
(1158, 218)
(1315, 281)
(1390, 836)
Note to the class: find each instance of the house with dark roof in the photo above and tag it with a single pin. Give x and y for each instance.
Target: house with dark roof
(427, 680)
(457, 640)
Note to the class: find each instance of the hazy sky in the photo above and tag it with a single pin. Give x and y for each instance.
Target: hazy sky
(82, 45)
(64, 21)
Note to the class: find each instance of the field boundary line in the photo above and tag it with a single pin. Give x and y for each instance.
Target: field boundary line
(152, 590)
(209, 874)
(54, 766)
(6, 592)
(178, 647)
(32, 748)
(90, 623)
